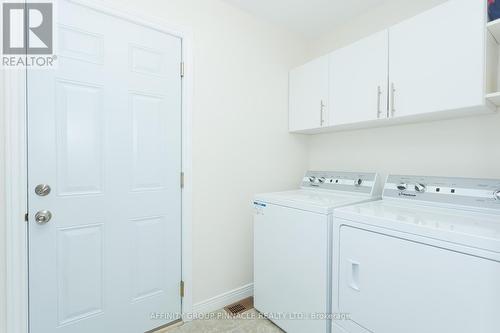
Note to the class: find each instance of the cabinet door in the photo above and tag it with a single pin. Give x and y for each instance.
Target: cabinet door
(437, 59)
(308, 95)
(358, 81)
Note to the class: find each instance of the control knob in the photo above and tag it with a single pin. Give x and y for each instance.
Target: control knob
(358, 182)
(402, 187)
(497, 195)
(322, 180)
(420, 188)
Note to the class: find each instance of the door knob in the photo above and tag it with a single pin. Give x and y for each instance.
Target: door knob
(42, 190)
(43, 216)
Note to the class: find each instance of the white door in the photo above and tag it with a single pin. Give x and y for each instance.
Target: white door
(309, 95)
(358, 81)
(437, 59)
(391, 285)
(105, 135)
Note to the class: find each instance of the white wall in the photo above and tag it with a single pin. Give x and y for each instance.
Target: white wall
(373, 20)
(466, 147)
(2, 213)
(241, 144)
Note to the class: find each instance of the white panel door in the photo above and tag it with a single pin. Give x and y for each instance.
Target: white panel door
(105, 134)
(291, 267)
(391, 285)
(437, 59)
(309, 95)
(358, 81)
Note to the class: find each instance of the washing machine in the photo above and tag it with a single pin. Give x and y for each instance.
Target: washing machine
(293, 247)
(426, 258)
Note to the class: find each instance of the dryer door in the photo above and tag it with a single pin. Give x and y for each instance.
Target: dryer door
(392, 285)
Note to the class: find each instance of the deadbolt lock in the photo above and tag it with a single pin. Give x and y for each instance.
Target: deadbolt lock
(42, 190)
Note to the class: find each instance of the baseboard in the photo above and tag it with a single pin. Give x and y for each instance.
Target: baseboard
(220, 301)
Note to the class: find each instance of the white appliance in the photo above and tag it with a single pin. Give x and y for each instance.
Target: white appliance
(292, 248)
(426, 258)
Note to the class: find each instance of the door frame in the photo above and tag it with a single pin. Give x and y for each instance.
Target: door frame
(16, 167)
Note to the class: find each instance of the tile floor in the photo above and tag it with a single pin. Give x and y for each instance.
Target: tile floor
(221, 322)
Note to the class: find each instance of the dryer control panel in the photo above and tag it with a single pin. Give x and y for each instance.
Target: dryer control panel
(469, 192)
(357, 182)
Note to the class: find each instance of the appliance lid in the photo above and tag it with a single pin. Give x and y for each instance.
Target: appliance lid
(459, 210)
(321, 191)
(318, 201)
(474, 229)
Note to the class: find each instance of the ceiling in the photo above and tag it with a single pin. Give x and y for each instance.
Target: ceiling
(309, 18)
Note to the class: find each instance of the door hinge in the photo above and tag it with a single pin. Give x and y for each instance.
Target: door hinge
(182, 69)
(181, 288)
(182, 179)
(26, 217)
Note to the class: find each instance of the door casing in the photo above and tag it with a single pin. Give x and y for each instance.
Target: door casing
(16, 166)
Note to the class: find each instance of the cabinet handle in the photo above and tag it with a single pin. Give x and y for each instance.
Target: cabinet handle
(379, 93)
(393, 99)
(321, 108)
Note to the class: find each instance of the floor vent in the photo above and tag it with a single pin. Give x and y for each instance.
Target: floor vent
(240, 307)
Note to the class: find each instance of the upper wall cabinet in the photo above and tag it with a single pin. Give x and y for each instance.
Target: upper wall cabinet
(309, 95)
(437, 59)
(358, 81)
(435, 65)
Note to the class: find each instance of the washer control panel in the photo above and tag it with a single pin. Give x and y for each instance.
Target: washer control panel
(341, 181)
(480, 193)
